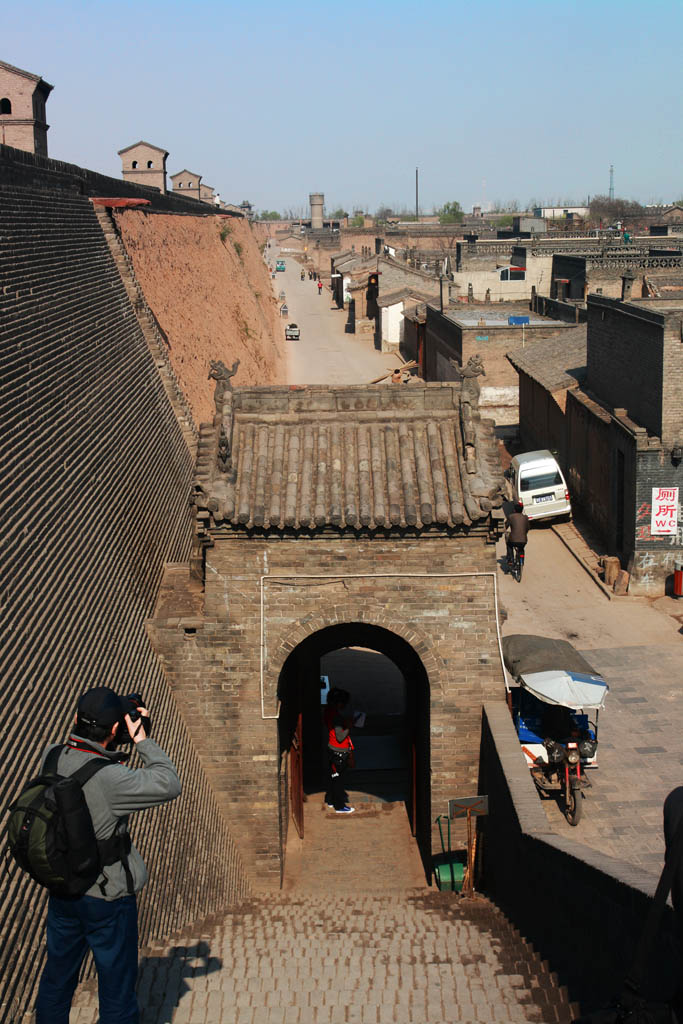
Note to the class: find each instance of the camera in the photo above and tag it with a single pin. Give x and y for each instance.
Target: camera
(130, 705)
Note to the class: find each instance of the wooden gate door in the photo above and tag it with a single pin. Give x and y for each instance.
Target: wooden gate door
(413, 787)
(296, 778)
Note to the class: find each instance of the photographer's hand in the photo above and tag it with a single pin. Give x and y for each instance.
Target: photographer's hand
(136, 729)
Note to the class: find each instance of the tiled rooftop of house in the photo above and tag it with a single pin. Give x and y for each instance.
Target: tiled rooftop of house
(556, 363)
(479, 316)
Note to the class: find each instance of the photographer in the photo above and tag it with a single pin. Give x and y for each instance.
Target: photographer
(104, 919)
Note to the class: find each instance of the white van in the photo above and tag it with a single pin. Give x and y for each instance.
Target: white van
(537, 482)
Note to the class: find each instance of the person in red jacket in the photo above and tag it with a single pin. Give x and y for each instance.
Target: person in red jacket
(320, 287)
(338, 722)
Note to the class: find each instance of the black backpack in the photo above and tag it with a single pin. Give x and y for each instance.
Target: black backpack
(50, 832)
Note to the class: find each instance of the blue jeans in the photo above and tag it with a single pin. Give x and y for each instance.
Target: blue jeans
(110, 930)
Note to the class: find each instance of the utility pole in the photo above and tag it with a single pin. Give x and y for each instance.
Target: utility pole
(611, 183)
(416, 194)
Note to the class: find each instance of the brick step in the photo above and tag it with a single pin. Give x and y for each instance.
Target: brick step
(429, 958)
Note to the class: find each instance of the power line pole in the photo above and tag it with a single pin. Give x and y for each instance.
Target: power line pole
(416, 194)
(611, 183)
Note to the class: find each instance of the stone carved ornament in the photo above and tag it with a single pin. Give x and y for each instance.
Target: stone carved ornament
(221, 374)
(469, 406)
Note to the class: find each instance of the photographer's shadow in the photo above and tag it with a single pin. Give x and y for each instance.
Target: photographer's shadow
(161, 979)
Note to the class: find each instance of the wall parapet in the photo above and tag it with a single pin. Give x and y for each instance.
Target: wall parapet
(583, 910)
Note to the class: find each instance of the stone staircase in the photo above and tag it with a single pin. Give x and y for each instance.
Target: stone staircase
(355, 937)
(149, 327)
(423, 957)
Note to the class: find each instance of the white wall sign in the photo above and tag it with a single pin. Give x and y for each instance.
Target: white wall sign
(664, 519)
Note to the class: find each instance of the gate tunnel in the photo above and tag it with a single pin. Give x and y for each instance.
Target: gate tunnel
(300, 721)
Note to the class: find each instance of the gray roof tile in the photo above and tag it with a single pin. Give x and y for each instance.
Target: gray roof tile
(377, 456)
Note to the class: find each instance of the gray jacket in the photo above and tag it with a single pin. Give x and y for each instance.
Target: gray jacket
(116, 792)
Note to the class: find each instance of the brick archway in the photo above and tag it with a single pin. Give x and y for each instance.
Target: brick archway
(300, 739)
(347, 615)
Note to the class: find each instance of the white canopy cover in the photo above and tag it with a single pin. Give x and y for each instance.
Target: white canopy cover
(569, 689)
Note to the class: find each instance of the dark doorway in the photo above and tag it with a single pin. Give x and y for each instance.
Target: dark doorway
(387, 680)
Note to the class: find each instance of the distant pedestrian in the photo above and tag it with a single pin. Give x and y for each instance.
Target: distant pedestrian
(310, 275)
(338, 723)
(320, 287)
(315, 275)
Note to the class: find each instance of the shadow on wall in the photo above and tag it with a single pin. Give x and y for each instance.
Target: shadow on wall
(583, 911)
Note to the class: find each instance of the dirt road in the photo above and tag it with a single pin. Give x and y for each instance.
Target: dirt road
(325, 354)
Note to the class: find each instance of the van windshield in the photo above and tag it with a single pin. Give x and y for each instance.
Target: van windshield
(535, 481)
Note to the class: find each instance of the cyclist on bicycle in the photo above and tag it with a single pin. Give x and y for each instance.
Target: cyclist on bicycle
(517, 529)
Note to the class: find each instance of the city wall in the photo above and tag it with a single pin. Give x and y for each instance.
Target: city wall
(96, 476)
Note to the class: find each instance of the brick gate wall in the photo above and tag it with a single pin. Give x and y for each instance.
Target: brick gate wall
(214, 664)
(94, 494)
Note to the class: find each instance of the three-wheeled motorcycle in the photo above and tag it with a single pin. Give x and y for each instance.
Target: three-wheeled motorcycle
(555, 704)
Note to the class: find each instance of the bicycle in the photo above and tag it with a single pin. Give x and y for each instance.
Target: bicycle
(516, 565)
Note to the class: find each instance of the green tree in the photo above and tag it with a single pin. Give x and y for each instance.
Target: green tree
(451, 213)
(339, 214)
(357, 221)
(269, 215)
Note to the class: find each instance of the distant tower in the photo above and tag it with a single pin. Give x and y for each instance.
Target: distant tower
(188, 183)
(611, 183)
(317, 201)
(145, 164)
(22, 109)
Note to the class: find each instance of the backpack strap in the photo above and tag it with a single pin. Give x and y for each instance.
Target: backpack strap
(90, 768)
(50, 766)
(117, 846)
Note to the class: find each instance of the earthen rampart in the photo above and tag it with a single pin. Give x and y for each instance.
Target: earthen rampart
(207, 284)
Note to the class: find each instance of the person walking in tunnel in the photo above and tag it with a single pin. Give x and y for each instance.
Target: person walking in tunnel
(338, 722)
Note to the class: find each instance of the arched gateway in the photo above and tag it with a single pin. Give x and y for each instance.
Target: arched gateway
(331, 518)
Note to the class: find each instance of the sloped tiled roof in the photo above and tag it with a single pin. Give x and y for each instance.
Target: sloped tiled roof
(407, 294)
(556, 363)
(381, 456)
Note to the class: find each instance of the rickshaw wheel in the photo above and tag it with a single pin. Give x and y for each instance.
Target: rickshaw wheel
(573, 807)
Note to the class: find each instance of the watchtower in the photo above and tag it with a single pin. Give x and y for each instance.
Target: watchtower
(145, 164)
(22, 109)
(188, 183)
(317, 201)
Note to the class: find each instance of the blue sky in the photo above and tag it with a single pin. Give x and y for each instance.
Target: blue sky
(271, 101)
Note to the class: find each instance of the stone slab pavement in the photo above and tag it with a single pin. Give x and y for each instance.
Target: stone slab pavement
(638, 650)
(325, 354)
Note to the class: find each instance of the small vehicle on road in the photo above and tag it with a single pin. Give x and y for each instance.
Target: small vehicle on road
(555, 701)
(537, 481)
(280, 265)
(292, 332)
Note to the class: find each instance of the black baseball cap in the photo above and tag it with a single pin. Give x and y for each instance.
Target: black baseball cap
(100, 706)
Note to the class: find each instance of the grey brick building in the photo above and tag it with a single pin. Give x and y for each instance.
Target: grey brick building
(620, 433)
